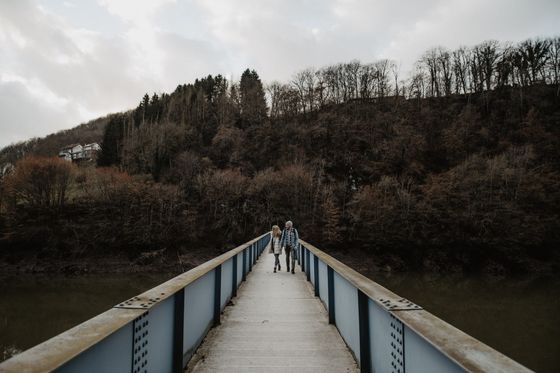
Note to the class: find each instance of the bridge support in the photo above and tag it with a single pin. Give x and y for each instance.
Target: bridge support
(244, 271)
(316, 274)
(363, 325)
(217, 293)
(234, 280)
(307, 269)
(330, 285)
(250, 254)
(178, 326)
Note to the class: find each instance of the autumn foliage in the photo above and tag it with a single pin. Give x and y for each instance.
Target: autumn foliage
(462, 170)
(39, 181)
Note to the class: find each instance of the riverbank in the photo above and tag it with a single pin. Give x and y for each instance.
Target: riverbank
(364, 261)
(145, 263)
(436, 261)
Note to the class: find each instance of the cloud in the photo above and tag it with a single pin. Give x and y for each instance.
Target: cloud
(23, 113)
(69, 75)
(134, 11)
(62, 63)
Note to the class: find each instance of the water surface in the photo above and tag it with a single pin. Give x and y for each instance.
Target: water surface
(36, 308)
(519, 317)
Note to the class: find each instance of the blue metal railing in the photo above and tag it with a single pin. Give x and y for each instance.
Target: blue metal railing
(157, 331)
(387, 333)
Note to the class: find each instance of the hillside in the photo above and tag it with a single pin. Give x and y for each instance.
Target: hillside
(50, 145)
(428, 175)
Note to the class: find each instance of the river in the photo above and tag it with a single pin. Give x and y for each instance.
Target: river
(517, 316)
(36, 308)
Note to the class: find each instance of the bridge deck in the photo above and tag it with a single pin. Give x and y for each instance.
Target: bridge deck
(275, 324)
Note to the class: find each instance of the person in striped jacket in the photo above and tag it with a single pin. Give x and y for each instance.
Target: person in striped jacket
(290, 243)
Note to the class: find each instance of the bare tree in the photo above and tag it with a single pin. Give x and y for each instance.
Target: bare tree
(534, 58)
(461, 58)
(429, 60)
(367, 81)
(445, 70)
(554, 59)
(304, 81)
(382, 69)
(351, 75)
(395, 69)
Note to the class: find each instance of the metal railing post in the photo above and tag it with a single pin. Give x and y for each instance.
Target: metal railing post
(302, 258)
(363, 320)
(217, 294)
(234, 275)
(250, 257)
(316, 274)
(243, 271)
(307, 270)
(178, 326)
(330, 285)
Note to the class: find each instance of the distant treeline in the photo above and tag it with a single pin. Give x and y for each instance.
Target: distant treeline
(458, 164)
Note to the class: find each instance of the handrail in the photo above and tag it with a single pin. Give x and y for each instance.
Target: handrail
(57, 351)
(466, 351)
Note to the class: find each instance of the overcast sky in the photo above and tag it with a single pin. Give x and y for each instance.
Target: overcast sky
(66, 62)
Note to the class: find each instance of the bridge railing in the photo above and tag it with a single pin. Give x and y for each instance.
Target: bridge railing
(387, 333)
(160, 329)
(156, 331)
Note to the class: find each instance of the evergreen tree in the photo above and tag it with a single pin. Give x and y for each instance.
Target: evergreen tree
(112, 142)
(252, 99)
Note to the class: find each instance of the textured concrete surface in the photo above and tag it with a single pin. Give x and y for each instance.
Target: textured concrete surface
(275, 324)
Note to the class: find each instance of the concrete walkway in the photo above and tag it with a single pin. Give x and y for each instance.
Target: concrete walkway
(275, 324)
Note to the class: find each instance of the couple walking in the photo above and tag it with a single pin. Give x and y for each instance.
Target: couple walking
(287, 240)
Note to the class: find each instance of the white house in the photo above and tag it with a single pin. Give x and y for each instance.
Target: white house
(77, 152)
(71, 152)
(89, 151)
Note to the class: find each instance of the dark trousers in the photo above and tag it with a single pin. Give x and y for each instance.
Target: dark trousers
(276, 260)
(290, 253)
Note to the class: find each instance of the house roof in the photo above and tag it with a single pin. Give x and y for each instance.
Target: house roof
(68, 147)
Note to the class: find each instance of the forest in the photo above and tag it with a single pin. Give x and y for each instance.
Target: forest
(455, 167)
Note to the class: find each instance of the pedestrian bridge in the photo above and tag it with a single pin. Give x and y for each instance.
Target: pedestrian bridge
(232, 314)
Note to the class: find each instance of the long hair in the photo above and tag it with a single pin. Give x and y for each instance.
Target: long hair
(275, 231)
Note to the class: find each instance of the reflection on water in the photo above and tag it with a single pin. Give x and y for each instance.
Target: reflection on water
(519, 317)
(36, 308)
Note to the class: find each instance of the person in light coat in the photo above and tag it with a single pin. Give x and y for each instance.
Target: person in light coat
(274, 246)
